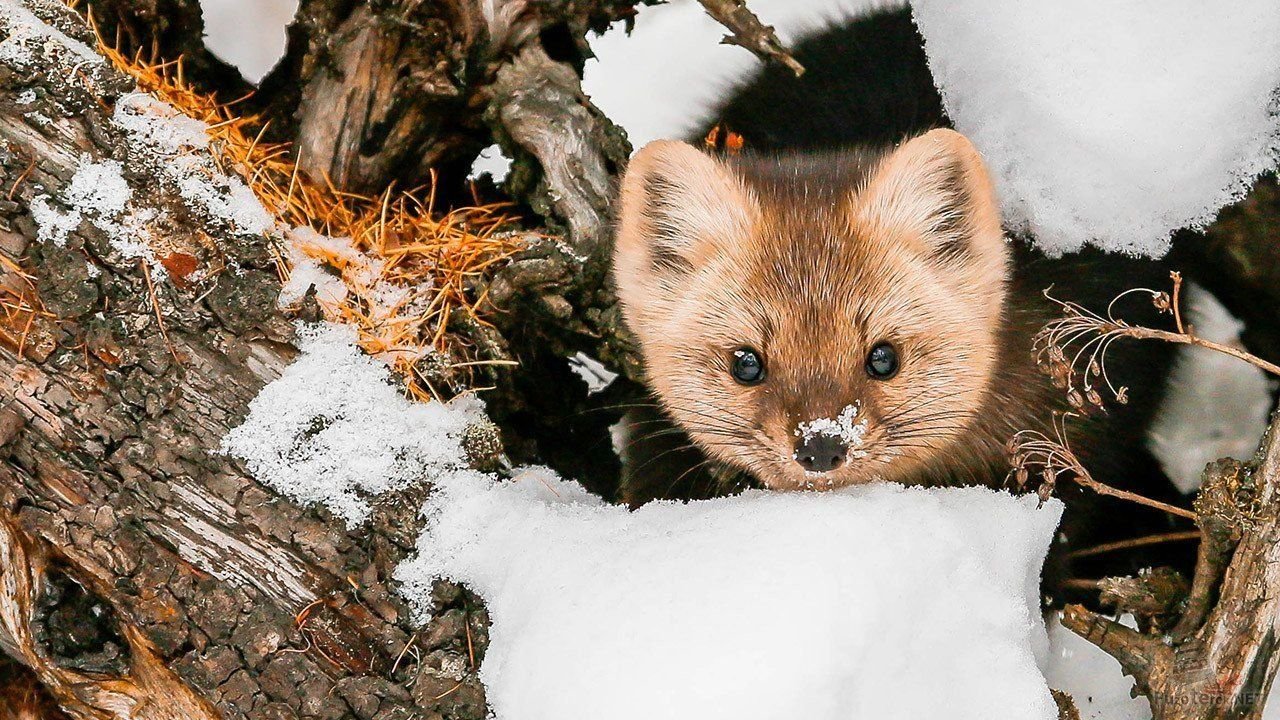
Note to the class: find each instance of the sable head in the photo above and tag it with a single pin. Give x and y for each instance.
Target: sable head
(818, 321)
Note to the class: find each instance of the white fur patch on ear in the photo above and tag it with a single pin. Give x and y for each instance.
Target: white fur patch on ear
(677, 205)
(936, 188)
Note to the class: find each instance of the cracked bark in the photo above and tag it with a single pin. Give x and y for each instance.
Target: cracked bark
(110, 481)
(1220, 661)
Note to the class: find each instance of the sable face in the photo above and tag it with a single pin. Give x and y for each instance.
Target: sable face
(813, 325)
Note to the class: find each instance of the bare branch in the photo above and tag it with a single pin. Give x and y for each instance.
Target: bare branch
(747, 31)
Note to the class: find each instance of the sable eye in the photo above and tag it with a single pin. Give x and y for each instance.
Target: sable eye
(748, 366)
(882, 362)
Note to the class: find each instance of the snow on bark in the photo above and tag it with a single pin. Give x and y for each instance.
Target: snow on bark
(333, 430)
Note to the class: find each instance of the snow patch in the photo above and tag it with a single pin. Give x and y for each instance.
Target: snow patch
(1111, 123)
(1216, 405)
(662, 80)
(164, 138)
(592, 371)
(28, 38)
(98, 188)
(305, 272)
(333, 430)
(99, 193)
(53, 225)
(253, 47)
(1094, 679)
(879, 602)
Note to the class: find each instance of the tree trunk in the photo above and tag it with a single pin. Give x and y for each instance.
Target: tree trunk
(145, 575)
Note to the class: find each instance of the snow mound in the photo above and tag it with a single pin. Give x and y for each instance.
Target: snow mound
(333, 430)
(880, 602)
(1111, 123)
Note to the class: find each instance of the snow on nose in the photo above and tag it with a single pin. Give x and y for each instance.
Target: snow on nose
(825, 443)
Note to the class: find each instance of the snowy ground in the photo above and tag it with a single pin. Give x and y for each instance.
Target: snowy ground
(882, 602)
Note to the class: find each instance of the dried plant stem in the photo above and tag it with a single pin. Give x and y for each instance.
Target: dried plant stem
(155, 305)
(1144, 541)
(1103, 489)
(1187, 338)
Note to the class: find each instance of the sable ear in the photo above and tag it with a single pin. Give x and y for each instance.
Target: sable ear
(936, 188)
(677, 206)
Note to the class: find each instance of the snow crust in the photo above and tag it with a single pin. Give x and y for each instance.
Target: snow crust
(881, 602)
(333, 430)
(1111, 123)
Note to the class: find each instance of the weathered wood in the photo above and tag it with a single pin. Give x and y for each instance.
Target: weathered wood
(747, 31)
(110, 420)
(1224, 667)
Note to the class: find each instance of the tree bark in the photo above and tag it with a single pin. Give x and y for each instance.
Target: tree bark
(116, 510)
(1220, 661)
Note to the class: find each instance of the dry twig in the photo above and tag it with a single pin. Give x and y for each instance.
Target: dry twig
(748, 32)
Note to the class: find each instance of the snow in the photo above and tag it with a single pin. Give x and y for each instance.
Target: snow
(841, 426)
(1093, 678)
(592, 371)
(305, 273)
(1111, 123)
(250, 36)
(661, 81)
(333, 430)
(98, 188)
(27, 39)
(881, 602)
(52, 225)
(163, 138)
(99, 193)
(1216, 406)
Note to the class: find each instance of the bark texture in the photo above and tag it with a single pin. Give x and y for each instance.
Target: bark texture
(1220, 661)
(118, 514)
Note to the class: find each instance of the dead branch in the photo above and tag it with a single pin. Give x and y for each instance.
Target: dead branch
(1235, 258)
(1224, 666)
(1075, 346)
(748, 32)
(1036, 456)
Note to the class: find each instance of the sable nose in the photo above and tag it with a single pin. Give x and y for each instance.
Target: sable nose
(821, 452)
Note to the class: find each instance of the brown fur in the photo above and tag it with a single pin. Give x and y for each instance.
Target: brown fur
(22, 697)
(813, 260)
